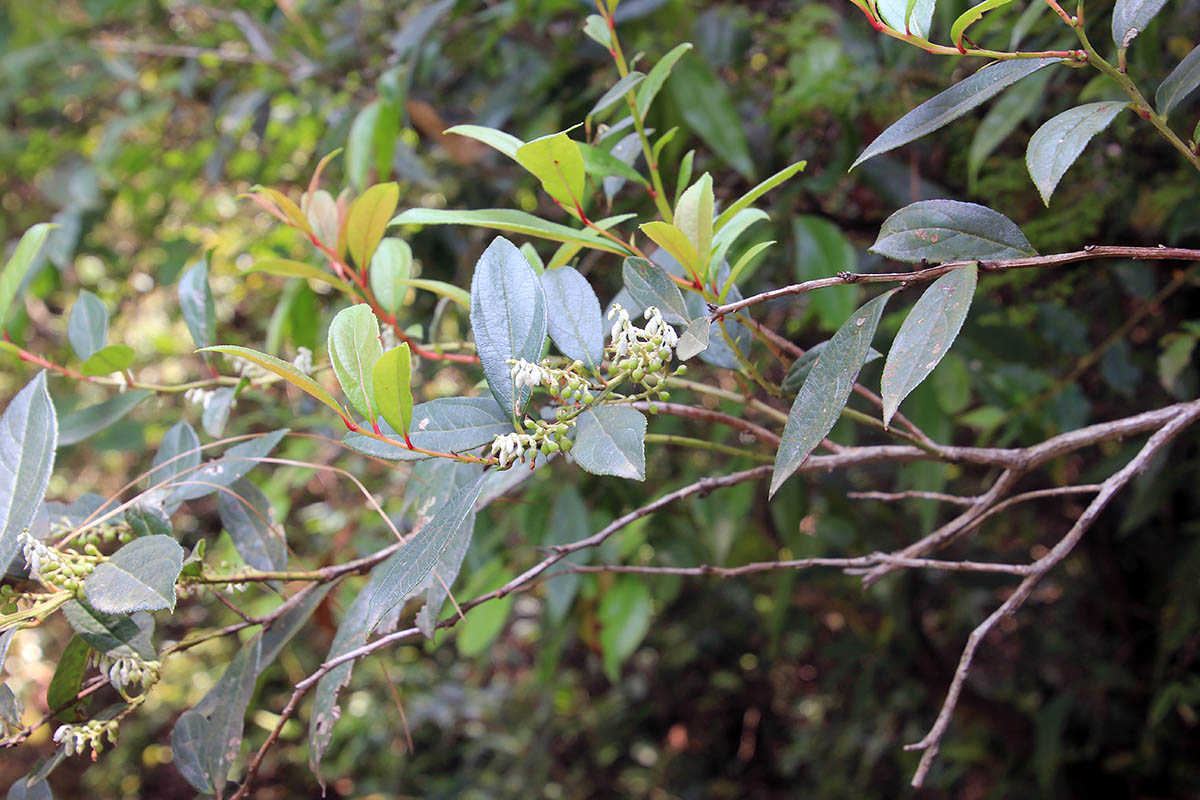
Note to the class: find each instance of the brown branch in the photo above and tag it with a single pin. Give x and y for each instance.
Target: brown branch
(806, 563)
(708, 415)
(929, 273)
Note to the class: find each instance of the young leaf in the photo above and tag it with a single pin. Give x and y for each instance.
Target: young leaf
(1130, 17)
(196, 303)
(79, 425)
(926, 335)
(503, 219)
(298, 269)
(246, 513)
(758, 191)
(555, 160)
(951, 104)
(624, 617)
(368, 220)
(649, 286)
(22, 259)
(354, 348)
(447, 290)
(448, 425)
(1055, 146)
(392, 378)
(611, 440)
(284, 370)
(969, 18)
(284, 204)
(948, 230)
(233, 464)
(694, 340)
(742, 263)
(708, 110)
(508, 317)
(909, 16)
(657, 76)
(694, 216)
(1182, 81)
(573, 316)
(87, 327)
(138, 577)
(597, 30)
(675, 242)
(825, 391)
(106, 360)
(506, 143)
(390, 270)
(617, 92)
(28, 431)
(422, 552)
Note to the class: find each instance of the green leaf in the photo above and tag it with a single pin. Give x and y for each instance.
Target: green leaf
(147, 518)
(825, 391)
(87, 327)
(360, 144)
(106, 360)
(685, 173)
(573, 316)
(79, 425)
(285, 205)
(447, 425)
(392, 378)
(298, 269)
(422, 552)
(439, 580)
(391, 267)
(508, 318)
(1003, 118)
(284, 370)
(138, 577)
(949, 230)
(758, 191)
(909, 16)
(657, 76)
(196, 303)
(970, 17)
(1182, 81)
(601, 164)
(28, 431)
(822, 250)
(694, 216)
(233, 464)
(368, 220)
(1130, 17)
(354, 348)
(611, 440)
(503, 219)
(442, 289)
(178, 455)
(114, 635)
(617, 92)
(555, 160)
(568, 250)
(649, 286)
(246, 513)
(706, 107)
(597, 30)
(624, 617)
(18, 265)
(926, 335)
(68, 678)
(742, 263)
(1055, 146)
(675, 242)
(506, 143)
(568, 523)
(951, 104)
(694, 340)
(484, 623)
(803, 365)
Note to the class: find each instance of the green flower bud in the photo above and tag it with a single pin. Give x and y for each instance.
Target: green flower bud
(588, 398)
(550, 447)
(681, 369)
(653, 409)
(664, 396)
(655, 364)
(639, 373)
(567, 444)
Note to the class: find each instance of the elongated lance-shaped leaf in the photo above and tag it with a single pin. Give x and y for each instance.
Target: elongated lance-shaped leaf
(573, 316)
(440, 288)
(617, 92)
(926, 335)
(79, 425)
(601, 164)
(284, 370)
(649, 88)
(1054, 147)
(354, 348)
(368, 219)
(246, 513)
(948, 230)
(743, 202)
(1013, 107)
(611, 440)
(970, 17)
(1130, 17)
(649, 285)
(87, 327)
(506, 143)
(707, 108)
(508, 318)
(694, 216)
(439, 580)
(1182, 81)
(18, 265)
(825, 391)
(512, 221)
(138, 577)
(233, 464)
(555, 160)
(28, 434)
(196, 303)
(393, 387)
(298, 269)
(951, 104)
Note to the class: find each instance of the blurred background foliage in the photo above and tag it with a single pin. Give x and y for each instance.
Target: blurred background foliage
(135, 126)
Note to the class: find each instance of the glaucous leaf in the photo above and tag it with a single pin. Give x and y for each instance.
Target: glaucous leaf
(611, 440)
(649, 285)
(951, 104)
(368, 220)
(508, 318)
(511, 220)
(1182, 81)
(87, 327)
(138, 577)
(148, 518)
(909, 16)
(708, 110)
(196, 303)
(178, 454)
(391, 267)
(86, 422)
(233, 464)
(950, 230)
(1055, 146)
(106, 360)
(216, 410)
(694, 339)
(284, 370)
(246, 513)
(360, 143)
(392, 378)
(555, 160)
(28, 433)
(1130, 17)
(825, 391)
(649, 88)
(19, 263)
(114, 635)
(597, 30)
(573, 316)
(926, 335)
(354, 348)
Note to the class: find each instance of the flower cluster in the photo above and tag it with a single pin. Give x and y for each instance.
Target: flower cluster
(566, 384)
(64, 568)
(544, 438)
(77, 738)
(128, 670)
(105, 532)
(645, 353)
